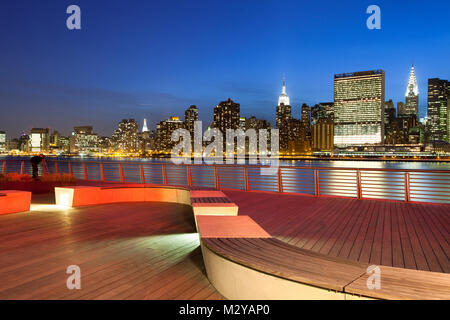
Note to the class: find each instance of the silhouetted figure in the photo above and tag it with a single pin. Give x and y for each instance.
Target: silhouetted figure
(34, 163)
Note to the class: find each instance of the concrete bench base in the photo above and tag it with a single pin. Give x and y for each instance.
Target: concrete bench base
(12, 201)
(212, 208)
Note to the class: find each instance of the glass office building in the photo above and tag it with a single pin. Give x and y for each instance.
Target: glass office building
(359, 108)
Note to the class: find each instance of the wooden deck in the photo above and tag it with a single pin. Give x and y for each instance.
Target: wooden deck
(151, 250)
(125, 251)
(412, 236)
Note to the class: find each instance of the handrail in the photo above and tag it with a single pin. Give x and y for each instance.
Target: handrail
(407, 185)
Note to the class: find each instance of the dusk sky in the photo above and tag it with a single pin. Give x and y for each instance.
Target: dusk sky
(152, 59)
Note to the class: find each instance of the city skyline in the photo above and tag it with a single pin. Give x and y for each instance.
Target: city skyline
(153, 71)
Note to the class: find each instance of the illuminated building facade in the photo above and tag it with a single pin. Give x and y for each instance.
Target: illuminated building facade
(2, 141)
(359, 108)
(227, 116)
(83, 140)
(126, 137)
(438, 109)
(323, 135)
(164, 133)
(190, 116)
(283, 116)
(40, 140)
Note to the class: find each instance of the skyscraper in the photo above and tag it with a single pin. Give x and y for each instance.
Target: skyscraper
(190, 116)
(438, 109)
(83, 140)
(412, 96)
(359, 108)
(126, 137)
(144, 127)
(164, 132)
(283, 117)
(2, 141)
(283, 112)
(226, 116)
(306, 118)
(40, 139)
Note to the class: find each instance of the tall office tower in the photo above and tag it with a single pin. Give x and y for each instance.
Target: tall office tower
(144, 127)
(306, 117)
(226, 116)
(359, 108)
(126, 137)
(329, 110)
(401, 110)
(412, 95)
(389, 112)
(2, 141)
(283, 116)
(283, 112)
(322, 111)
(83, 140)
(190, 116)
(164, 132)
(438, 109)
(40, 139)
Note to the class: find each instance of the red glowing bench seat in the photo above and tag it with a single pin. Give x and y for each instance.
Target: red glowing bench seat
(12, 201)
(85, 196)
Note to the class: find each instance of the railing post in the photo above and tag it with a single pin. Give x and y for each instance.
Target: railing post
(280, 181)
(216, 179)
(56, 167)
(4, 167)
(141, 171)
(22, 167)
(358, 184)
(316, 183)
(44, 167)
(406, 187)
(246, 185)
(189, 175)
(122, 177)
(164, 173)
(70, 168)
(102, 172)
(85, 173)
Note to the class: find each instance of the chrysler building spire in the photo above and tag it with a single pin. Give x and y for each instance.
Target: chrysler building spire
(412, 88)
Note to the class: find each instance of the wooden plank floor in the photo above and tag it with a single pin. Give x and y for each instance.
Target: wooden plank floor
(125, 251)
(413, 236)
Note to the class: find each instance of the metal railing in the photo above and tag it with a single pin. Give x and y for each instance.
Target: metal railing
(391, 184)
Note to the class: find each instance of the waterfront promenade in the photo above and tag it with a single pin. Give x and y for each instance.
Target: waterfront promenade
(151, 250)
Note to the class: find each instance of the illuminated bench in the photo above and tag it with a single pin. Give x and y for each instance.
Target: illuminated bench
(243, 261)
(84, 196)
(214, 203)
(12, 201)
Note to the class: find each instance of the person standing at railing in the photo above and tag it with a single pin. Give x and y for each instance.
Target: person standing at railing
(35, 161)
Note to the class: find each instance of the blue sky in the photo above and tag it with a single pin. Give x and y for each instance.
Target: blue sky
(152, 59)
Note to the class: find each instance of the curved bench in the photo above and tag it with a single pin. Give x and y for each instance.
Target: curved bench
(245, 262)
(13, 201)
(83, 195)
